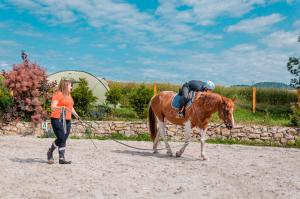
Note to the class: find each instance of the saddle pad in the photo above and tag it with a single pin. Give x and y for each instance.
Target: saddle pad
(178, 101)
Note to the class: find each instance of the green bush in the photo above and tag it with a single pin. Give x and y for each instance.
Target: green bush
(100, 112)
(113, 96)
(139, 99)
(124, 113)
(295, 116)
(6, 99)
(83, 98)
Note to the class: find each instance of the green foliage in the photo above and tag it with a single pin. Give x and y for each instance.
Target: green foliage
(139, 99)
(127, 87)
(275, 96)
(6, 99)
(295, 116)
(83, 98)
(124, 113)
(269, 100)
(113, 96)
(101, 111)
(167, 87)
(293, 67)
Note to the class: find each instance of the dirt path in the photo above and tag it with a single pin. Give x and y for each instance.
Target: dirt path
(114, 171)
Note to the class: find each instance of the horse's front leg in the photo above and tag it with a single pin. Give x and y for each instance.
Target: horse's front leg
(187, 138)
(202, 141)
(163, 132)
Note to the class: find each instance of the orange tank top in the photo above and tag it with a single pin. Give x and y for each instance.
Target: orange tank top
(62, 101)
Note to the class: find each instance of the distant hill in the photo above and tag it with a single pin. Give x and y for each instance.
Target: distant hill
(268, 85)
(272, 85)
(240, 85)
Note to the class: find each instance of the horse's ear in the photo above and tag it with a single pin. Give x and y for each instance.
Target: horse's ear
(234, 99)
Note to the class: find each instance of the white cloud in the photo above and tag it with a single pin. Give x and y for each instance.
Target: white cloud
(244, 47)
(9, 43)
(257, 24)
(71, 40)
(28, 33)
(3, 25)
(296, 24)
(3, 64)
(282, 39)
(241, 64)
(120, 18)
(206, 11)
(154, 48)
(98, 45)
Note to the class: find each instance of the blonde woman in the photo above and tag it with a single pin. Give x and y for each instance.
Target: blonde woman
(62, 109)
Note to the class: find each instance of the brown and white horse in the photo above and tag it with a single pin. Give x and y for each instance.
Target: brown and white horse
(196, 115)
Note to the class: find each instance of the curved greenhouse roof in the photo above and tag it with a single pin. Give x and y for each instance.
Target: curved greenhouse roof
(99, 86)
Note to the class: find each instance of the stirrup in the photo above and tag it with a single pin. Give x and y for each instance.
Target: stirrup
(179, 115)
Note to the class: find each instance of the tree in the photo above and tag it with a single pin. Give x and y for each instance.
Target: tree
(293, 67)
(30, 90)
(113, 96)
(83, 98)
(139, 99)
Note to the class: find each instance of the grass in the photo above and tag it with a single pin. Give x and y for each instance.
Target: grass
(246, 116)
(231, 141)
(116, 136)
(146, 137)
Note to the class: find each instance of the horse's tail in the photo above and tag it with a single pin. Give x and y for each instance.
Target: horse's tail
(152, 123)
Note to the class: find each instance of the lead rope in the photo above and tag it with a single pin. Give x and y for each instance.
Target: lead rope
(85, 124)
(63, 118)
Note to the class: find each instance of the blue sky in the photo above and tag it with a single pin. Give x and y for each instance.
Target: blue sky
(228, 42)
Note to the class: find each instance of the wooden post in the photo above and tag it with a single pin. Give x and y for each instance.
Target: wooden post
(253, 99)
(154, 88)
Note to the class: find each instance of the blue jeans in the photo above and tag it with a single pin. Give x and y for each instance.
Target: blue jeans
(61, 136)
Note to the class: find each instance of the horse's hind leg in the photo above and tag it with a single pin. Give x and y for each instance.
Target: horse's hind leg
(187, 138)
(155, 143)
(202, 141)
(162, 130)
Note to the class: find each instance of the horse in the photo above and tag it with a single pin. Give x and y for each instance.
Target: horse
(197, 114)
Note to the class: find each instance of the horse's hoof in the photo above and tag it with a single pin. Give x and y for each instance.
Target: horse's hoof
(155, 152)
(204, 158)
(178, 155)
(169, 153)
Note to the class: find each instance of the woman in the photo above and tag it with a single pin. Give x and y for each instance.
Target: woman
(62, 109)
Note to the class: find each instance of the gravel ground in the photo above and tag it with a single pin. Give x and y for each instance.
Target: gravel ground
(114, 171)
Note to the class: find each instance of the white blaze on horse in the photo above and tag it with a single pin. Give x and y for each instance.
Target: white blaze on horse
(197, 114)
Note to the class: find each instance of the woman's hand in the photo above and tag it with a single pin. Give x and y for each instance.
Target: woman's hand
(75, 114)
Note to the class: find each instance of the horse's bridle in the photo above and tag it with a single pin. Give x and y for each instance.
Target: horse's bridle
(224, 112)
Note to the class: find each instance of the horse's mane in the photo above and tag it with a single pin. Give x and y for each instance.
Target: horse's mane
(208, 99)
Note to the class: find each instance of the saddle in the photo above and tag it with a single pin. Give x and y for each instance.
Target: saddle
(178, 101)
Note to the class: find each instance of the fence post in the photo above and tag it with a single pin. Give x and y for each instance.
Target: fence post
(154, 88)
(253, 99)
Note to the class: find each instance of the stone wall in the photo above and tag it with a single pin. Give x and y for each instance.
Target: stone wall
(280, 135)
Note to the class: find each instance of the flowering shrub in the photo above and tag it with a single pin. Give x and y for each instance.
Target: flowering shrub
(30, 91)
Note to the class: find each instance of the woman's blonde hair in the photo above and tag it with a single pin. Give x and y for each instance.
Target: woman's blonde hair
(63, 85)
